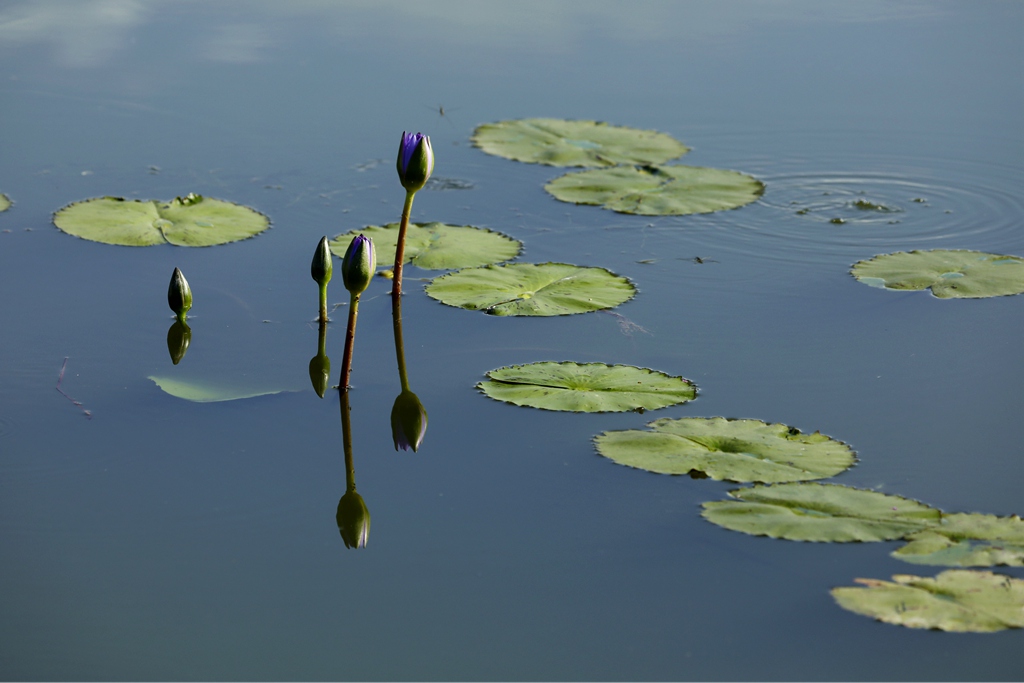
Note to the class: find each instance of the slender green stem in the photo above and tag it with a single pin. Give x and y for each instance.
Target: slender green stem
(323, 302)
(350, 341)
(346, 438)
(321, 340)
(396, 286)
(396, 318)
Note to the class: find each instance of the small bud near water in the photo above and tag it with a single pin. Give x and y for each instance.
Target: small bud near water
(408, 421)
(359, 264)
(415, 161)
(179, 296)
(322, 266)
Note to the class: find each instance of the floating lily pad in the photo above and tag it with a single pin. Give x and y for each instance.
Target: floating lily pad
(586, 388)
(948, 273)
(657, 190)
(435, 246)
(532, 289)
(211, 392)
(735, 450)
(190, 221)
(967, 540)
(5, 203)
(558, 142)
(820, 512)
(955, 600)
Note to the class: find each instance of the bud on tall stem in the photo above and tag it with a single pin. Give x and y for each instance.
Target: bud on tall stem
(321, 270)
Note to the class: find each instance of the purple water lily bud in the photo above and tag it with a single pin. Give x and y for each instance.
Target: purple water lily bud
(415, 161)
(359, 264)
(408, 421)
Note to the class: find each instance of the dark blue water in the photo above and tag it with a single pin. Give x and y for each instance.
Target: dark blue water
(163, 539)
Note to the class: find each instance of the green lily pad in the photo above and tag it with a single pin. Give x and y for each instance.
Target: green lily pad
(5, 202)
(720, 448)
(657, 190)
(200, 391)
(190, 221)
(587, 387)
(949, 274)
(967, 540)
(435, 246)
(820, 512)
(558, 142)
(955, 600)
(532, 289)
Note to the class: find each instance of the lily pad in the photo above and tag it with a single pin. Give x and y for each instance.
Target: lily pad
(211, 392)
(657, 190)
(190, 221)
(558, 142)
(820, 512)
(720, 448)
(587, 387)
(955, 600)
(967, 540)
(949, 274)
(5, 203)
(532, 289)
(435, 246)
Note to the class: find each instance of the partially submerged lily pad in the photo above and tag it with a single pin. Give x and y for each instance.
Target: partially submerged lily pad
(542, 289)
(5, 202)
(720, 448)
(190, 221)
(955, 600)
(948, 273)
(587, 387)
(820, 512)
(657, 190)
(435, 246)
(558, 142)
(200, 391)
(967, 540)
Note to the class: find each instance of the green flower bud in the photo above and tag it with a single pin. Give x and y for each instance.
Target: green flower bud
(359, 264)
(322, 267)
(415, 161)
(179, 336)
(320, 373)
(408, 421)
(179, 296)
(353, 520)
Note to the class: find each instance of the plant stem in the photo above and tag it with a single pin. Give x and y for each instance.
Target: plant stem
(346, 438)
(396, 319)
(323, 303)
(350, 341)
(396, 286)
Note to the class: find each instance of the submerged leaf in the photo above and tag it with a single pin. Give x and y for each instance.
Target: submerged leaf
(820, 512)
(5, 202)
(190, 221)
(586, 388)
(210, 392)
(720, 448)
(532, 289)
(436, 246)
(558, 142)
(948, 273)
(967, 540)
(657, 190)
(955, 600)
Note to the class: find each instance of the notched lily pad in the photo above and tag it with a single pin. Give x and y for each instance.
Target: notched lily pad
(5, 203)
(955, 600)
(558, 142)
(435, 246)
(967, 540)
(820, 512)
(948, 273)
(734, 450)
(211, 392)
(587, 387)
(648, 190)
(542, 289)
(189, 221)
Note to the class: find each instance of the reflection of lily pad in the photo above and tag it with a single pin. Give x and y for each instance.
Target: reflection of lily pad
(557, 142)
(967, 540)
(736, 450)
(5, 203)
(190, 221)
(209, 392)
(435, 246)
(948, 273)
(820, 512)
(657, 190)
(532, 289)
(586, 388)
(955, 600)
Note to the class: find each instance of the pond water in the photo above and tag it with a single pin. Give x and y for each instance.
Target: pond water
(156, 538)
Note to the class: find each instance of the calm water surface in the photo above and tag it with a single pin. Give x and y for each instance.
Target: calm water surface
(162, 539)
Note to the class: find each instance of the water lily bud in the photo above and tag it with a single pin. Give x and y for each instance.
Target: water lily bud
(322, 267)
(179, 336)
(359, 264)
(415, 161)
(320, 373)
(179, 296)
(408, 421)
(353, 520)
